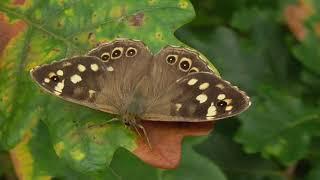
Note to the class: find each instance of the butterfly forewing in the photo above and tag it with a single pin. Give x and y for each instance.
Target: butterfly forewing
(198, 97)
(105, 79)
(78, 79)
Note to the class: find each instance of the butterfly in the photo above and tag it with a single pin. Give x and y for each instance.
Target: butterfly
(124, 78)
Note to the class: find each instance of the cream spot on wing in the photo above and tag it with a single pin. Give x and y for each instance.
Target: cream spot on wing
(75, 79)
(91, 92)
(46, 80)
(94, 67)
(212, 110)
(110, 68)
(220, 86)
(51, 74)
(57, 93)
(221, 96)
(204, 86)
(81, 68)
(202, 98)
(192, 81)
(229, 108)
(60, 72)
(228, 101)
(178, 106)
(59, 87)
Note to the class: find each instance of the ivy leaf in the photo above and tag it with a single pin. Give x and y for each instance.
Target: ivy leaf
(52, 30)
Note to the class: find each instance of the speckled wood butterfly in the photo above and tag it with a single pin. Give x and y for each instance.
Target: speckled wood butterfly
(124, 78)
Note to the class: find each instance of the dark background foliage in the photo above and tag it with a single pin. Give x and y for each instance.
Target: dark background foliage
(269, 48)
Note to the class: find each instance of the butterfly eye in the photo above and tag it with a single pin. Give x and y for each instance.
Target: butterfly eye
(171, 59)
(222, 104)
(116, 53)
(105, 56)
(193, 69)
(54, 78)
(185, 64)
(131, 52)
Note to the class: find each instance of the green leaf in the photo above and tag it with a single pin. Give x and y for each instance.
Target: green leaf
(57, 29)
(285, 129)
(307, 52)
(235, 163)
(314, 159)
(314, 174)
(35, 158)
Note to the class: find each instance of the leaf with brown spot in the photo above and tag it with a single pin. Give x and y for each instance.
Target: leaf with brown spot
(137, 19)
(8, 31)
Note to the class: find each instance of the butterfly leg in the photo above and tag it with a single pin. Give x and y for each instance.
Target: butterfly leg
(104, 124)
(145, 135)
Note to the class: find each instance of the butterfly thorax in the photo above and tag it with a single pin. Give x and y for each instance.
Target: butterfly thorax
(130, 119)
(135, 104)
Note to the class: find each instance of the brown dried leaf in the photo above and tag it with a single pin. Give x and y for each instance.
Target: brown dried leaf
(295, 16)
(166, 139)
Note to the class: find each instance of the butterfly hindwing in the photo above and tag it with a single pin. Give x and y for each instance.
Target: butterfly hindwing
(198, 97)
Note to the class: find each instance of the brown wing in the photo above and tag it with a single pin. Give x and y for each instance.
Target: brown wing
(78, 79)
(105, 79)
(128, 69)
(170, 64)
(198, 97)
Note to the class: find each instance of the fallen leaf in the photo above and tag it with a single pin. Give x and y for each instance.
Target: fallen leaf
(166, 139)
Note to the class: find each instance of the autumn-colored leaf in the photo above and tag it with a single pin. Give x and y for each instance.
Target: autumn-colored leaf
(303, 20)
(296, 16)
(166, 139)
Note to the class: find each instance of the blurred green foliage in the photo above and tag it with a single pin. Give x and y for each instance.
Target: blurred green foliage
(251, 45)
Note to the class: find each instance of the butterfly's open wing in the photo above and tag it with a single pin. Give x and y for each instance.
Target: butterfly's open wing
(78, 79)
(101, 80)
(198, 97)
